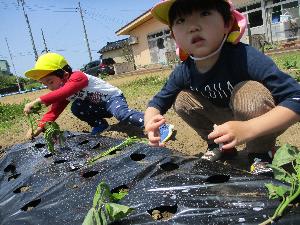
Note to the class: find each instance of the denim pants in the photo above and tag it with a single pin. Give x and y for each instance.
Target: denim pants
(116, 106)
(249, 99)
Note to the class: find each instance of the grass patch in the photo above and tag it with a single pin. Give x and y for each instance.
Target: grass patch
(10, 114)
(145, 86)
(289, 63)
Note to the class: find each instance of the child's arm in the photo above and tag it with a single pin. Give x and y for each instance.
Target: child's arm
(234, 133)
(153, 120)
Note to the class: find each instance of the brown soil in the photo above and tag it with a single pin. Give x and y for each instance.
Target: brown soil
(185, 139)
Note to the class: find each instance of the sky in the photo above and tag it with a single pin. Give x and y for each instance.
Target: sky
(62, 27)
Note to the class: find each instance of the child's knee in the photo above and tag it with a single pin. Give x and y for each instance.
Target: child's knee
(75, 108)
(185, 102)
(251, 99)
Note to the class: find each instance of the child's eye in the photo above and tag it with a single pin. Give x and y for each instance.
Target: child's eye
(205, 13)
(179, 21)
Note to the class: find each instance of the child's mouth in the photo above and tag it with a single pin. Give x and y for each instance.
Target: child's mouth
(197, 39)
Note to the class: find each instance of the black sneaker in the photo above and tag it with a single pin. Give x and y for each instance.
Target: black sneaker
(214, 153)
(259, 162)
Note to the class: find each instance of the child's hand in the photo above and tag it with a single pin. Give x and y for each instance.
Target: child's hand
(231, 134)
(31, 135)
(152, 129)
(28, 107)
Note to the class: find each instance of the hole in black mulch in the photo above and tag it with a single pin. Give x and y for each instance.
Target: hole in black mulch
(90, 174)
(169, 166)
(96, 146)
(163, 212)
(137, 156)
(219, 178)
(21, 189)
(10, 168)
(121, 188)
(29, 206)
(13, 177)
(84, 142)
(60, 161)
(39, 145)
(48, 155)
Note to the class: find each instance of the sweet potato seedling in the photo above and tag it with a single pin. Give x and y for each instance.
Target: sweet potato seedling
(286, 155)
(104, 207)
(52, 132)
(128, 141)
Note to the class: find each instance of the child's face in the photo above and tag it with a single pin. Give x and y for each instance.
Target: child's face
(52, 82)
(201, 32)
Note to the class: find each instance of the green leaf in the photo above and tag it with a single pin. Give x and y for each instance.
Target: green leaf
(119, 196)
(103, 218)
(280, 174)
(285, 154)
(276, 191)
(116, 211)
(92, 218)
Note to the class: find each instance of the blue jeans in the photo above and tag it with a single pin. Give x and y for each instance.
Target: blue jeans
(116, 106)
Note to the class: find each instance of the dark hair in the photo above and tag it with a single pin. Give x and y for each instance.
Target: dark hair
(60, 72)
(186, 7)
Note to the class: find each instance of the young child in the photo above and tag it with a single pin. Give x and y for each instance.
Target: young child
(227, 91)
(93, 98)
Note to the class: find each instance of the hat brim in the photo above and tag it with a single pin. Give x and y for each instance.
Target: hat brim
(161, 11)
(37, 74)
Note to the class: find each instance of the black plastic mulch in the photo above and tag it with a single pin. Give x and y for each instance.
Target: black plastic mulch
(39, 188)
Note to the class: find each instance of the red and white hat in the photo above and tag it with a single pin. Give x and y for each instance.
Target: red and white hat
(161, 12)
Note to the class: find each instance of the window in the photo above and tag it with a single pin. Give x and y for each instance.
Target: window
(290, 5)
(242, 9)
(254, 6)
(255, 19)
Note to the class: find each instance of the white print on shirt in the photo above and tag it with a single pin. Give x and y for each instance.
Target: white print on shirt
(215, 90)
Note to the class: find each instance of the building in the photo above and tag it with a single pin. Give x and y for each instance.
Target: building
(121, 52)
(274, 20)
(4, 67)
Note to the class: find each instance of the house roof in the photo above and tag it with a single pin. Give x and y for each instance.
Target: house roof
(113, 45)
(125, 30)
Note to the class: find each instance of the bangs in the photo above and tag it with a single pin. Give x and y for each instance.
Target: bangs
(181, 8)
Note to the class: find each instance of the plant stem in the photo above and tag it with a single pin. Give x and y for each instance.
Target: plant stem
(282, 206)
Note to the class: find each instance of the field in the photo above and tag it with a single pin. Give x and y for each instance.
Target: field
(138, 89)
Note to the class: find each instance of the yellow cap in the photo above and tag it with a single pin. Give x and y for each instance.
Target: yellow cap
(45, 65)
(161, 11)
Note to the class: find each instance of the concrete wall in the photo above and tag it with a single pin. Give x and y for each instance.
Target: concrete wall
(141, 50)
(116, 54)
(123, 67)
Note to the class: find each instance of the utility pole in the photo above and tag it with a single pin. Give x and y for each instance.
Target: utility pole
(12, 62)
(46, 49)
(86, 38)
(29, 28)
